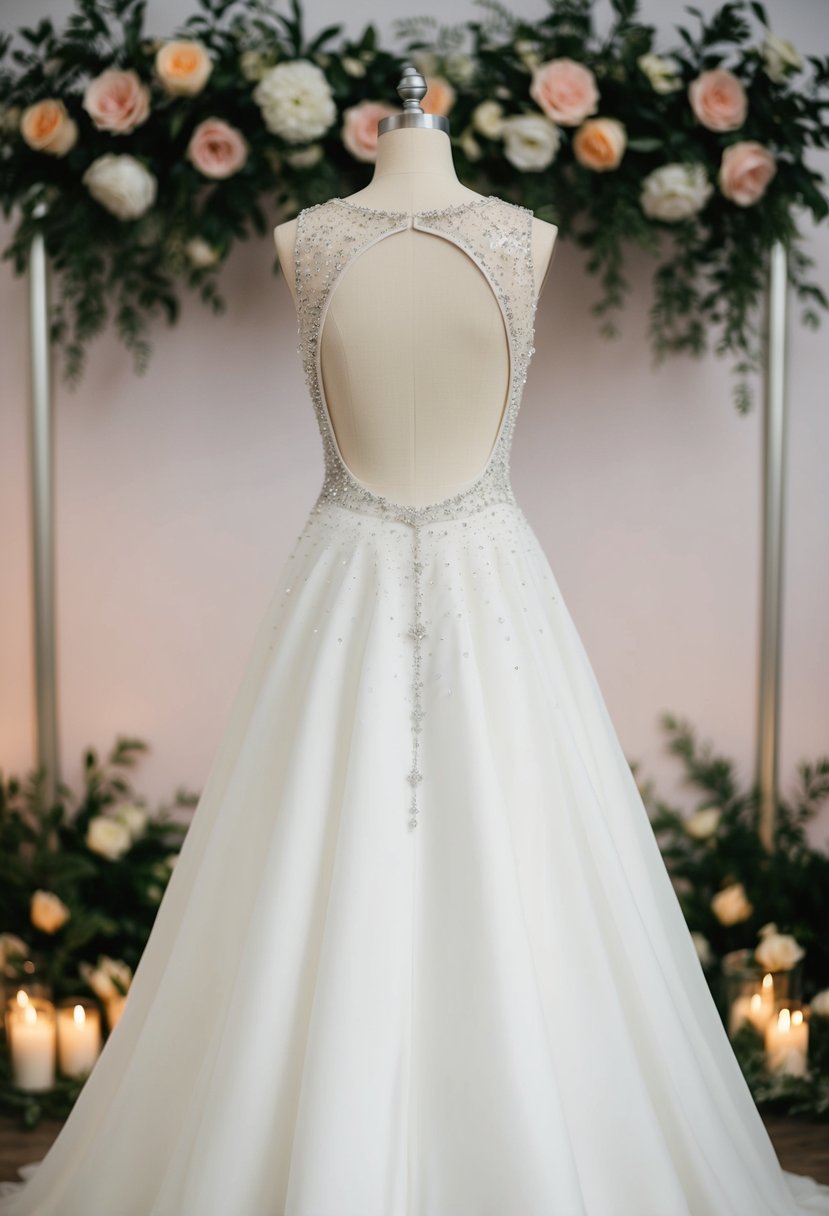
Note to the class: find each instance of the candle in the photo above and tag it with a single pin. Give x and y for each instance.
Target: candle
(787, 1038)
(755, 1007)
(31, 1023)
(79, 1036)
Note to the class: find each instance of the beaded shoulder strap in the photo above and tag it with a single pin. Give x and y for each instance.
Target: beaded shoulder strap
(497, 235)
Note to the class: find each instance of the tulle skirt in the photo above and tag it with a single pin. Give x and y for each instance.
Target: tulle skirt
(498, 1012)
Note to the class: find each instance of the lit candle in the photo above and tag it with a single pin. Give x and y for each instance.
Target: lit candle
(787, 1039)
(79, 1037)
(32, 1041)
(756, 1007)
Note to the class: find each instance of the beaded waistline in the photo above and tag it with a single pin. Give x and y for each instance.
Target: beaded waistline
(485, 491)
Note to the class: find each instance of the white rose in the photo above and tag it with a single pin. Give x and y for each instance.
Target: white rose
(459, 68)
(48, 912)
(662, 73)
(703, 948)
(531, 141)
(675, 192)
(133, 817)
(819, 1003)
(201, 254)
(11, 947)
(469, 145)
(296, 101)
(731, 905)
(488, 118)
(778, 952)
(100, 978)
(108, 837)
(779, 58)
(353, 67)
(304, 158)
(122, 184)
(703, 823)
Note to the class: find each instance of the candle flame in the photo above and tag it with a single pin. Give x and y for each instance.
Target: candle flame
(797, 1017)
(756, 1002)
(768, 980)
(784, 1019)
(22, 997)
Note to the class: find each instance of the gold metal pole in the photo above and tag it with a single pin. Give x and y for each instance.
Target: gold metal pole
(42, 511)
(774, 467)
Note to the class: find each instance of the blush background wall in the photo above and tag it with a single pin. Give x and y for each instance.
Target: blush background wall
(180, 494)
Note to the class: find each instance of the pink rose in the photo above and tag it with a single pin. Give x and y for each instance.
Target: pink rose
(117, 101)
(359, 130)
(745, 171)
(216, 149)
(565, 90)
(440, 96)
(718, 100)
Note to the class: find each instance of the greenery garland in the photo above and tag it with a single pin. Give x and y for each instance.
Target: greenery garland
(143, 161)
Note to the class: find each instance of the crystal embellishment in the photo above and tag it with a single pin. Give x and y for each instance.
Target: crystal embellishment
(497, 236)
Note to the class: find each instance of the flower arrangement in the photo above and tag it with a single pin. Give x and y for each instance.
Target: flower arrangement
(737, 897)
(143, 160)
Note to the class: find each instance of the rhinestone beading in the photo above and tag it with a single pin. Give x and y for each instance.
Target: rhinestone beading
(497, 235)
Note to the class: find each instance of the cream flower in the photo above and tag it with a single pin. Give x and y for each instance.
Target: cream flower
(460, 68)
(183, 67)
(675, 192)
(731, 905)
(703, 949)
(117, 101)
(133, 817)
(779, 58)
(703, 823)
(252, 65)
(48, 912)
(819, 1003)
(102, 978)
(296, 101)
(304, 158)
(531, 141)
(122, 184)
(488, 118)
(469, 145)
(663, 74)
(353, 66)
(11, 947)
(108, 837)
(200, 254)
(47, 127)
(778, 952)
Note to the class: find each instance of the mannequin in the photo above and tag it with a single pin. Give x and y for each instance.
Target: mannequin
(420, 416)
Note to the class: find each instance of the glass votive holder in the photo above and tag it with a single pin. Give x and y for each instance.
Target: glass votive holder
(32, 1038)
(79, 1035)
(750, 991)
(787, 1039)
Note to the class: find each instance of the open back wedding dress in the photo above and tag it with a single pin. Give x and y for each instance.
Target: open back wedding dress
(420, 955)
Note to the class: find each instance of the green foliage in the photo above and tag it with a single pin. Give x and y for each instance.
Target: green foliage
(710, 269)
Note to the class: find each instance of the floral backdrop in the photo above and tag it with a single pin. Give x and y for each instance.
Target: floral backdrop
(144, 159)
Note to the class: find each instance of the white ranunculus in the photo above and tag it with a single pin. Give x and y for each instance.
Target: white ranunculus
(703, 948)
(200, 253)
(531, 141)
(122, 184)
(48, 912)
(675, 192)
(661, 73)
(779, 58)
(296, 101)
(819, 1003)
(703, 823)
(11, 947)
(304, 158)
(133, 817)
(488, 119)
(108, 837)
(731, 905)
(778, 952)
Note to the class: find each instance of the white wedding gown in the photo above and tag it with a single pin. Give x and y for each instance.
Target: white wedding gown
(420, 955)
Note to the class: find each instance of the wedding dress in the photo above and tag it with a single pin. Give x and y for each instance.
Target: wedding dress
(420, 955)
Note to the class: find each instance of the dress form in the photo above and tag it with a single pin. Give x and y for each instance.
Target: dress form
(420, 416)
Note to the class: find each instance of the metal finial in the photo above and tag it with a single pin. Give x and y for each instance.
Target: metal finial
(412, 89)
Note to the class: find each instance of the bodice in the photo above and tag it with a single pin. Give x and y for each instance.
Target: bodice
(497, 236)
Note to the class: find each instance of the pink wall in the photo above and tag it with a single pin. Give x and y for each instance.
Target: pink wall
(181, 493)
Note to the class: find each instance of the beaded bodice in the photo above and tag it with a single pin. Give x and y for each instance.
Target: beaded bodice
(497, 235)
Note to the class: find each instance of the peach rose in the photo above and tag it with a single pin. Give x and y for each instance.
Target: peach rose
(216, 149)
(359, 130)
(599, 144)
(117, 101)
(565, 90)
(746, 169)
(183, 67)
(47, 127)
(718, 100)
(440, 96)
